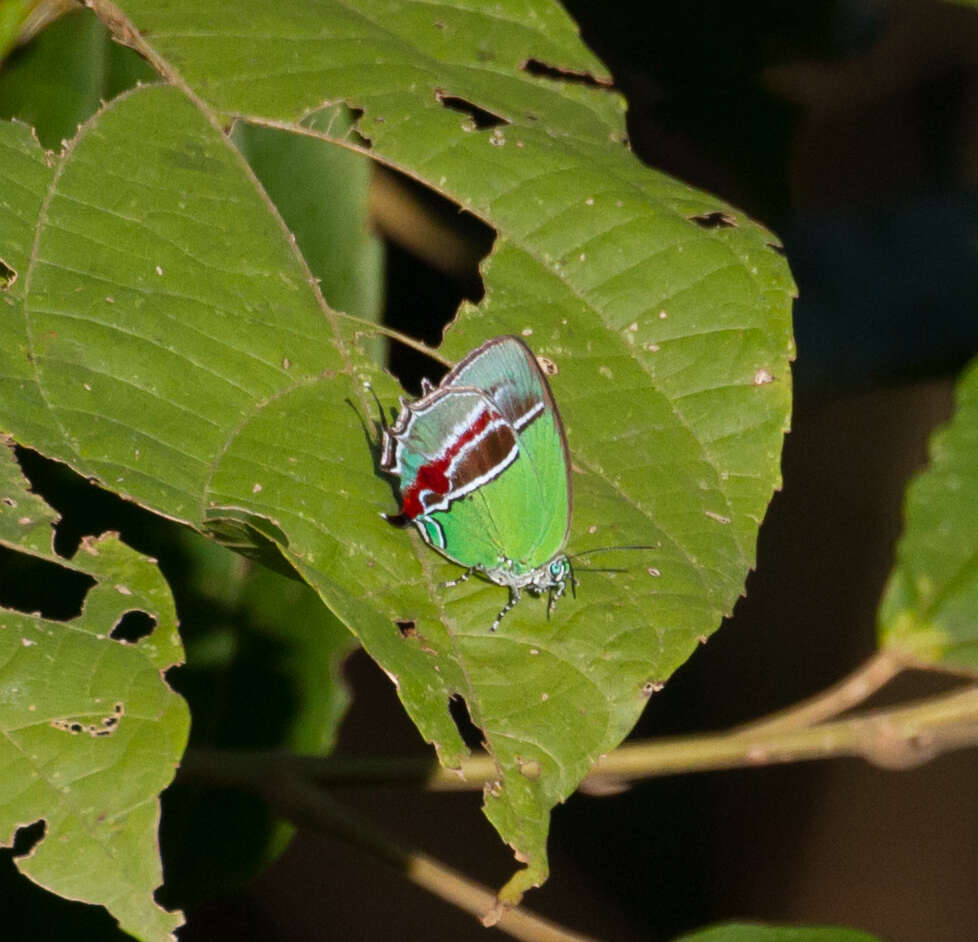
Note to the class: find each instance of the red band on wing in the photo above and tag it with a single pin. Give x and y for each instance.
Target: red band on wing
(431, 477)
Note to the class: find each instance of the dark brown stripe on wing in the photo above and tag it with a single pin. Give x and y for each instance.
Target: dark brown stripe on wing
(492, 449)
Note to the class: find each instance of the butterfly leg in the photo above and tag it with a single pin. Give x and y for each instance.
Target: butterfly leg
(555, 595)
(514, 597)
(462, 578)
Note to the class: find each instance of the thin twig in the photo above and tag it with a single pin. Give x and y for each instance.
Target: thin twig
(896, 738)
(308, 805)
(901, 737)
(893, 738)
(849, 692)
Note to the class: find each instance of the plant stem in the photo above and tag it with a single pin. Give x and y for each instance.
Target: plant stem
(898, 737)
(895, 738)
(306, 804)
(849, 692)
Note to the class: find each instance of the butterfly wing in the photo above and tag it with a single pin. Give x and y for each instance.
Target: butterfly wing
(482, 462)
(444, 448)
(532, 502)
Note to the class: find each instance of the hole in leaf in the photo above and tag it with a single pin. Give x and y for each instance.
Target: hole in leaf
(715, 220)
(338, 121)
(470, 733)
(28, 837)
(536, 67)
(407, 627)
(105, 726)
(112, 721)
(108, 724)
(32, 585)
(481, 118)
(7, 275)
(133, 626)
(432, 265)
(85, 508)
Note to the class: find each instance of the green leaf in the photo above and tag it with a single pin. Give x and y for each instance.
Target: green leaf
(754, 932)
(929, 613)
(25, 174)
(91, 731)
(321, 192)
(175, 347)
(60, 78)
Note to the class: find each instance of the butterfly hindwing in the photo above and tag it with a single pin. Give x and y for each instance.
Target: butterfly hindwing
(538, 494)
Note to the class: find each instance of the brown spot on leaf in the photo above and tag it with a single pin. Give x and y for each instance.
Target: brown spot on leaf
(547, 365)
(651, 686)
(105, 726)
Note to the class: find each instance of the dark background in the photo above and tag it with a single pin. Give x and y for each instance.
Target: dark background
(851, 130)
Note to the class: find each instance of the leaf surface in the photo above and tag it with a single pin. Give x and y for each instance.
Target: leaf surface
(91, 733)
(929, 608)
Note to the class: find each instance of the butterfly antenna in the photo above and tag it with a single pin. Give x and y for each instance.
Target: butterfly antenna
(601, 549)
(380, 408)
(605, 549)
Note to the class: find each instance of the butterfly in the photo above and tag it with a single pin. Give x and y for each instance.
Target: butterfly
(484, 474)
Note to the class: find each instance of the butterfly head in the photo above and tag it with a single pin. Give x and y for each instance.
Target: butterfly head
(553, 576)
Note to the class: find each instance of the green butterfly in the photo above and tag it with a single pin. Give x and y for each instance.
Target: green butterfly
(484, 473)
